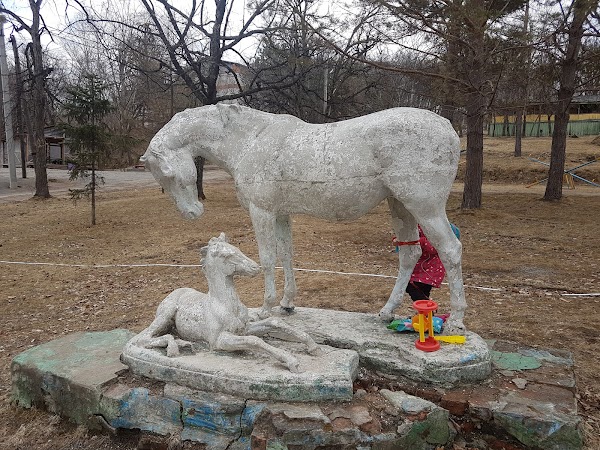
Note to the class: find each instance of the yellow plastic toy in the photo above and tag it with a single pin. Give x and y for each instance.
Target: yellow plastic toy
(453, 339)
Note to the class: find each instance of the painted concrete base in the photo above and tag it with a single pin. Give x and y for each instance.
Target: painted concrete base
(529, 398)
(392, 352)
(328, 376)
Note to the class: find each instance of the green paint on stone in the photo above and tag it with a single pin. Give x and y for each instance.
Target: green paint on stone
(435, 429)
(549, 433)
(514, 361)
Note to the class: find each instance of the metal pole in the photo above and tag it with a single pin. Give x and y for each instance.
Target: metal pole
(6, 106)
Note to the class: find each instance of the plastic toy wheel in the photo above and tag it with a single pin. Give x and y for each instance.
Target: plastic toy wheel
(430, 344)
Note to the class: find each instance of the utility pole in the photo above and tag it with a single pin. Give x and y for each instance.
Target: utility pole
(6, 106)
(325, 88)
(19, 106)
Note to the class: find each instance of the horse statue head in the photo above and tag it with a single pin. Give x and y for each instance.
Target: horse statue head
(222, 257)
(175, 171)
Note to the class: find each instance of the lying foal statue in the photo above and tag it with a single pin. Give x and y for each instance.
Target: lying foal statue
(218, 318)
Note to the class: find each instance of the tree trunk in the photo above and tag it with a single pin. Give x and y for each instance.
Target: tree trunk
(518, 131)
(474, 168)
(199, 162)
(93, 192)
(570, 63)
(38, 105)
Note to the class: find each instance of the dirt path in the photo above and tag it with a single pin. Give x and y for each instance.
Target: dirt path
(59, 184)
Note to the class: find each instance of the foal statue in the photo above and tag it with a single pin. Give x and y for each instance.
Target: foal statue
(218, 318)
(336, 171)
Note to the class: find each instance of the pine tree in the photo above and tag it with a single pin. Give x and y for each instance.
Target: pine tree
(87, 135)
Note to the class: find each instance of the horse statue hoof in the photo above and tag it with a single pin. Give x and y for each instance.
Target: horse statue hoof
(287, 310)
(454, 328)
(385, 316)
(264, 313)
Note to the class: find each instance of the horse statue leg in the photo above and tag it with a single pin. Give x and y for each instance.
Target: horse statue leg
(285, 252)
(264, 230)
(230, 343)
(273, 324)
(440, 234)
(405, 228)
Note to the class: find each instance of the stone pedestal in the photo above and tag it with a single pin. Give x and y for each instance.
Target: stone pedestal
(528, 398)
(392, 352)
(328, 376)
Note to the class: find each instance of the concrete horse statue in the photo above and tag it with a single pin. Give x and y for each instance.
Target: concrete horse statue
(337, 171)
(218, 318)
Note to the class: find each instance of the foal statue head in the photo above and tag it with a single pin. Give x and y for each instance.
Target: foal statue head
(222, 257)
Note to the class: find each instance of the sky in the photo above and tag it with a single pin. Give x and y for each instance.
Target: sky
(57, 13)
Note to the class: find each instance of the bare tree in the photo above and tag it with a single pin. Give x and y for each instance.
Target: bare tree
(458, 39)
(197, 38)
(328, 85)
(576, 16)
(36, 80)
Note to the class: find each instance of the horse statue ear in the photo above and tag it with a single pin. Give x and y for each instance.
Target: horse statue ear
(223, 238)
(166, 170)
(164, 166)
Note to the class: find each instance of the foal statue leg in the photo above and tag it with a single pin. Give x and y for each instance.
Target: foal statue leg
(230, 342)
(156, 335)
(273, 324)
(405, 228)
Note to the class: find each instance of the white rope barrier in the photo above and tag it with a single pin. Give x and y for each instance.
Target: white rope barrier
(95, 266)
(333, 272)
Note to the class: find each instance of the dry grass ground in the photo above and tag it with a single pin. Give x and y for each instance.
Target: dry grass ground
(533, 252)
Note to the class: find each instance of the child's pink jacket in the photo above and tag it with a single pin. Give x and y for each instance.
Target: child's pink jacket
(429, 268)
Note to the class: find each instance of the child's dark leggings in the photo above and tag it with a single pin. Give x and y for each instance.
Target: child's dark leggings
(418, 291)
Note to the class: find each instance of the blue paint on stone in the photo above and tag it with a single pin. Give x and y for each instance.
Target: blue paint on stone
(219, 418)
(208, 417)
(249, 416)
(467, 358)
(148, 413)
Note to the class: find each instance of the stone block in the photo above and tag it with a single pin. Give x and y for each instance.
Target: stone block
(141, 410)
(67, 375)
(425, 424)
(456, 401)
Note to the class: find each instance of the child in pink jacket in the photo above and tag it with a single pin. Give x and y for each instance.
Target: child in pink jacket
(429, 271)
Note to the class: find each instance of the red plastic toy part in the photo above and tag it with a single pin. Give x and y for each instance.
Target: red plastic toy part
(425, 306)
(429, 345)
(425, 309)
